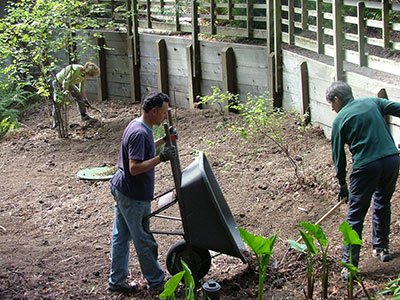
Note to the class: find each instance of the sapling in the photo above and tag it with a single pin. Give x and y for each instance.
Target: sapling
(312, 250)
(262, 248)
(316, 231)
(350, 238)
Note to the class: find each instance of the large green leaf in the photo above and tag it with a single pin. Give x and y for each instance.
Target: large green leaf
(297, 246)
(309, 241)
(316, 231)
(351, 267)
(350, 236)
(260, 245)
(171, 285)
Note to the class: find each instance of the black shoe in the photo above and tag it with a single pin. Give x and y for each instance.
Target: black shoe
(125, 288)
(85, 117)
(382, 254)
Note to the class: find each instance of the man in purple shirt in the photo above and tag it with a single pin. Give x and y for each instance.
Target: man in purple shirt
(133, 189)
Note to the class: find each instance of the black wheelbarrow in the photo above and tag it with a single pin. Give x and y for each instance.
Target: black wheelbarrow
(207, 221)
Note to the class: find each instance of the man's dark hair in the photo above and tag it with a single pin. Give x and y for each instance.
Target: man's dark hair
(154, 99)
(341, 90)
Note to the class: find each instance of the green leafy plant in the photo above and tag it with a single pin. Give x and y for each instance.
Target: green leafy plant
(172, 284)
(311, 251)
(223, 101)
(392, 287)
(262, 248)
(317, 232)
(350, 238)
(33, 34)
(263, 119)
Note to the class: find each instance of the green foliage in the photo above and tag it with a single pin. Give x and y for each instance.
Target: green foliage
(222, 100)
(317, 232)
(393, 288)
(262, 119)
(262, 248)
(34, 31)
(350, 238)
(171, 285)
(12, 102)
(311, 250)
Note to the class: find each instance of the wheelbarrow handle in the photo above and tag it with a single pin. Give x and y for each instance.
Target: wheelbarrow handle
(327, 215)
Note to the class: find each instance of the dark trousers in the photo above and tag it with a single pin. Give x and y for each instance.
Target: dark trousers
(377, 179)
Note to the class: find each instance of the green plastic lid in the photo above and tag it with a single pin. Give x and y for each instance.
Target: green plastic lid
(98, 173)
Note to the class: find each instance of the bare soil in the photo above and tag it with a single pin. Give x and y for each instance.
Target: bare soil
(55, 228)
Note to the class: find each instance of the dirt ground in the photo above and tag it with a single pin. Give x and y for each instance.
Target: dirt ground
(55, 229)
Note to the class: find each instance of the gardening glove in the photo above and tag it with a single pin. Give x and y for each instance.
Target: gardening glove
(86, 102)
(168, 153)
(173, 133)
(343, 193)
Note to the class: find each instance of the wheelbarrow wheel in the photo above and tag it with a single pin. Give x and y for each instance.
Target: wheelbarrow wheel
(199, 263)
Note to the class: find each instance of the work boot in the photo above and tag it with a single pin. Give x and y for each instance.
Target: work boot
(125, 288)
(86, 117)
(382, 254)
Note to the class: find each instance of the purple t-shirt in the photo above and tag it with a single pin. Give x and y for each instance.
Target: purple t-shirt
(138, 144)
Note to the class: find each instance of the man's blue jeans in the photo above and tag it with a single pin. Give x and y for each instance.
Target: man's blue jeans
(128, 226)
(377, 178)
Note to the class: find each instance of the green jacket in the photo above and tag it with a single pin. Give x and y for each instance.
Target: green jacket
(361, 125)
(71, 75)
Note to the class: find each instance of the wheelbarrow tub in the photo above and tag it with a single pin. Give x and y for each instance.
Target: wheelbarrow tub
(209, 221)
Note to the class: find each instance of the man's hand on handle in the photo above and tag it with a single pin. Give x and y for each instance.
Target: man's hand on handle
(343, 193)
(168, 153)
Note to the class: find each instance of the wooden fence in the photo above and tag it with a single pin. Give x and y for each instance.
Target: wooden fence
(345, 30)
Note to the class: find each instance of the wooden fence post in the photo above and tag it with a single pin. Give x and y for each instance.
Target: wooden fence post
(229, 71)
(213, 29)
(249, 17)
(102, 90)
(278, 53)
(195, 40)
(320, 32)
(133, 49)
(162, 66)
(193, 82)
(270, 26)
(362, 58)
(385, 24)
(304, 14)
(305, 93)
(177, 13)
(291, 22)
(338, 38)
(382, 94)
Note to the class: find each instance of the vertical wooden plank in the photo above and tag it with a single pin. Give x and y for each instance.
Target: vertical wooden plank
(270, 26)
(229, 73)
(291, 22)
(271, 77)
(162, 4)
(230, 6)
(162, 66)
(229, 70)
(304, 14)
(112, 11)
(195, 40)
(192, 80)
(385, 23)
(148, 13)
(212, 17)
(177, 14)
(249, 16)
(362, 58)
(382, 94)
(278, 53)
(305, 93)
(102, 90)
(338, 38)
(133, 49)
(320, 32)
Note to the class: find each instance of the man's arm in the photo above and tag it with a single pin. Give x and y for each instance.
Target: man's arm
(339, 154)
(137, 167)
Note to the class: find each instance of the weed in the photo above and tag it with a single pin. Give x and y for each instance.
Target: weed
(392, 287)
